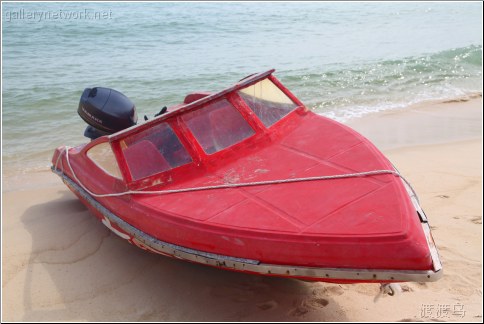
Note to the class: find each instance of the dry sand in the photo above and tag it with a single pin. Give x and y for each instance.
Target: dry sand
(61, 264)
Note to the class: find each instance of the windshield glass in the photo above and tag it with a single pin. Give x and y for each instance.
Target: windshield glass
(153, 151)
(217, 126)
(267, 101)
(103, 156)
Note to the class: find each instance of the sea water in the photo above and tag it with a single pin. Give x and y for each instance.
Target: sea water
(343, 60)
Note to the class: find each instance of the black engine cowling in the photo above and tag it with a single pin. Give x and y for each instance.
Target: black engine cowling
(107, 111)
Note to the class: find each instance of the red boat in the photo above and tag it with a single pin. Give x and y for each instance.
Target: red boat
(248, 179)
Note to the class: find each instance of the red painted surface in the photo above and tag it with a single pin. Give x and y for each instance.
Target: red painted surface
(366, 222)
(195, 96)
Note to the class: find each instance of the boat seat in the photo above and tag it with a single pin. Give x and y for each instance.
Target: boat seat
(194, 96)
(144, 159)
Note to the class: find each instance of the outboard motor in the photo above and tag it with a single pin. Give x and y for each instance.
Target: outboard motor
(107, 111)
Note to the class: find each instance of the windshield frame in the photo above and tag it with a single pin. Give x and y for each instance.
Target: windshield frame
(188, 140)
(268, 102)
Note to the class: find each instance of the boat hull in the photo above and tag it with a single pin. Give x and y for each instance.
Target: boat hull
(233, 263)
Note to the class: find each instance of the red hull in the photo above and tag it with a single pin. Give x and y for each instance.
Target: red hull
(357, 224)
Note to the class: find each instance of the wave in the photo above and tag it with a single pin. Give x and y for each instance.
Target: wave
(345, 91)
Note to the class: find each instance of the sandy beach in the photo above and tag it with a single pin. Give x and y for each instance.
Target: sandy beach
(59, 263)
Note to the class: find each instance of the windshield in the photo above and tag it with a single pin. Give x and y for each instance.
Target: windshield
(267, 101)
(153, 151)
(217, 126)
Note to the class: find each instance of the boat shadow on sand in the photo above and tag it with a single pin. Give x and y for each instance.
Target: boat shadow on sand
(79, 270)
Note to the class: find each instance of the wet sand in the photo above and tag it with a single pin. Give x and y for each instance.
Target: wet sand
(61, 264)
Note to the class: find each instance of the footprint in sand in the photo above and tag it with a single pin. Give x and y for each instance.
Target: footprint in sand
(308, 305)
(317, 302)
(406, 288)
(422, 284)
(332, 290)
(298, 311)
(268, 305)
(443, 196)
(477, 220)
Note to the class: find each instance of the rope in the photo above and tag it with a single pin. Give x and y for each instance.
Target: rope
(230, 185)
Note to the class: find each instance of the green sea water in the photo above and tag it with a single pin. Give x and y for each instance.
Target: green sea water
(343, 60)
